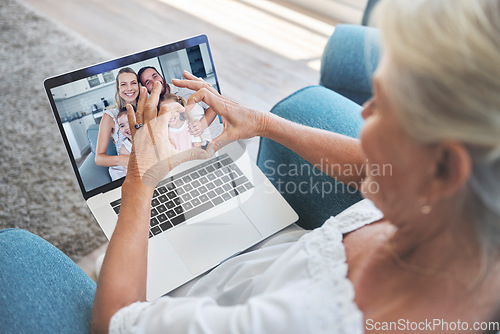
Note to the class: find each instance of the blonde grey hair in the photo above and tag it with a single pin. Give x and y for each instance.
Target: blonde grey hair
(445, 72)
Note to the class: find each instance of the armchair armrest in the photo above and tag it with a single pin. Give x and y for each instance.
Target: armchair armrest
(348, 62)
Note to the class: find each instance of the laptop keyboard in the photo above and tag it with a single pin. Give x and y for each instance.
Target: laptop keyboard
(192, 192)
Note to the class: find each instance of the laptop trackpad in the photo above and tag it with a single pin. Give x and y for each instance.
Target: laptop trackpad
(207, 243)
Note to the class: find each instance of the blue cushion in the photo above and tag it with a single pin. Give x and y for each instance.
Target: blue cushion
(370, 5)
(93, 176)
(311, 193)
(92, 134)
(349, 60)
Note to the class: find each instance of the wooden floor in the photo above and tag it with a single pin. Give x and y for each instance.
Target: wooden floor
(263, 50)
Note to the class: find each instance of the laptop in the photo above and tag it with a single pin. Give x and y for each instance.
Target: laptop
(203, 212)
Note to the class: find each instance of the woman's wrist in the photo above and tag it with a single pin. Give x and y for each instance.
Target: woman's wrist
(266, 123)
(135, 184)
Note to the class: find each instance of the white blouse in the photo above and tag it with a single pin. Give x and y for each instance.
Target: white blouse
(292, 284)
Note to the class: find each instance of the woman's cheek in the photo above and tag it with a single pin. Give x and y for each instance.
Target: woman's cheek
(370, 186)
(367, 137)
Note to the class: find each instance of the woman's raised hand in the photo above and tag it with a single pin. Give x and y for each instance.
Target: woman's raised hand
(153, 155)
(239, 122)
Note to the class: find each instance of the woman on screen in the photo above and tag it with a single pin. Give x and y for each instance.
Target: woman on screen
(127, 92)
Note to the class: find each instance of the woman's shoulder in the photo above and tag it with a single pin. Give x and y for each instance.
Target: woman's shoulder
(325, 244)
(356, 216)
(328, 267)
(345, 231)
(364, 230)
(113, 112)
(352, 219)
(127, 144)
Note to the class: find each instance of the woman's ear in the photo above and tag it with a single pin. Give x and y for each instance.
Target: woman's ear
(453, 166)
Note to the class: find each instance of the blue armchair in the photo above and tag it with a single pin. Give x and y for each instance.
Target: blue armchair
(349, 60)
(94, 176)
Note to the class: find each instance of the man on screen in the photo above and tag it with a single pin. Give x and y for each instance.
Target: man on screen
(149, 75)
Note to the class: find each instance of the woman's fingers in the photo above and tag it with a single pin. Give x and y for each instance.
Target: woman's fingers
(139, 115)
(150, 105)
(169, 108)
(158, 171)
(219, 142)
(131, 119)
(153, 154)
(166, 112)
(146, 107)
(239, 122)
(205, 95)
(195, 84)
(190, 76)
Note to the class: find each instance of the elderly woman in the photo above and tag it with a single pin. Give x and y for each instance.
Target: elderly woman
(422, 247)
(431, 252)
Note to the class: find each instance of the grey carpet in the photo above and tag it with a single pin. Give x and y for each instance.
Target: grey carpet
(38, 191)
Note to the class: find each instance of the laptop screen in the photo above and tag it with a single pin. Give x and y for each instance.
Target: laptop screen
(86, 104)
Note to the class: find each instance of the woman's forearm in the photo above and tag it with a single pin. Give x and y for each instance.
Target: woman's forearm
(336, 155)
(122, 279)
(106, 128)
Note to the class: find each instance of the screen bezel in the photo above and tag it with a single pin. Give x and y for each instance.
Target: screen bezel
(109, 65)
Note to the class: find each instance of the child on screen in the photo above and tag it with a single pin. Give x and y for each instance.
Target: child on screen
(178, 126)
